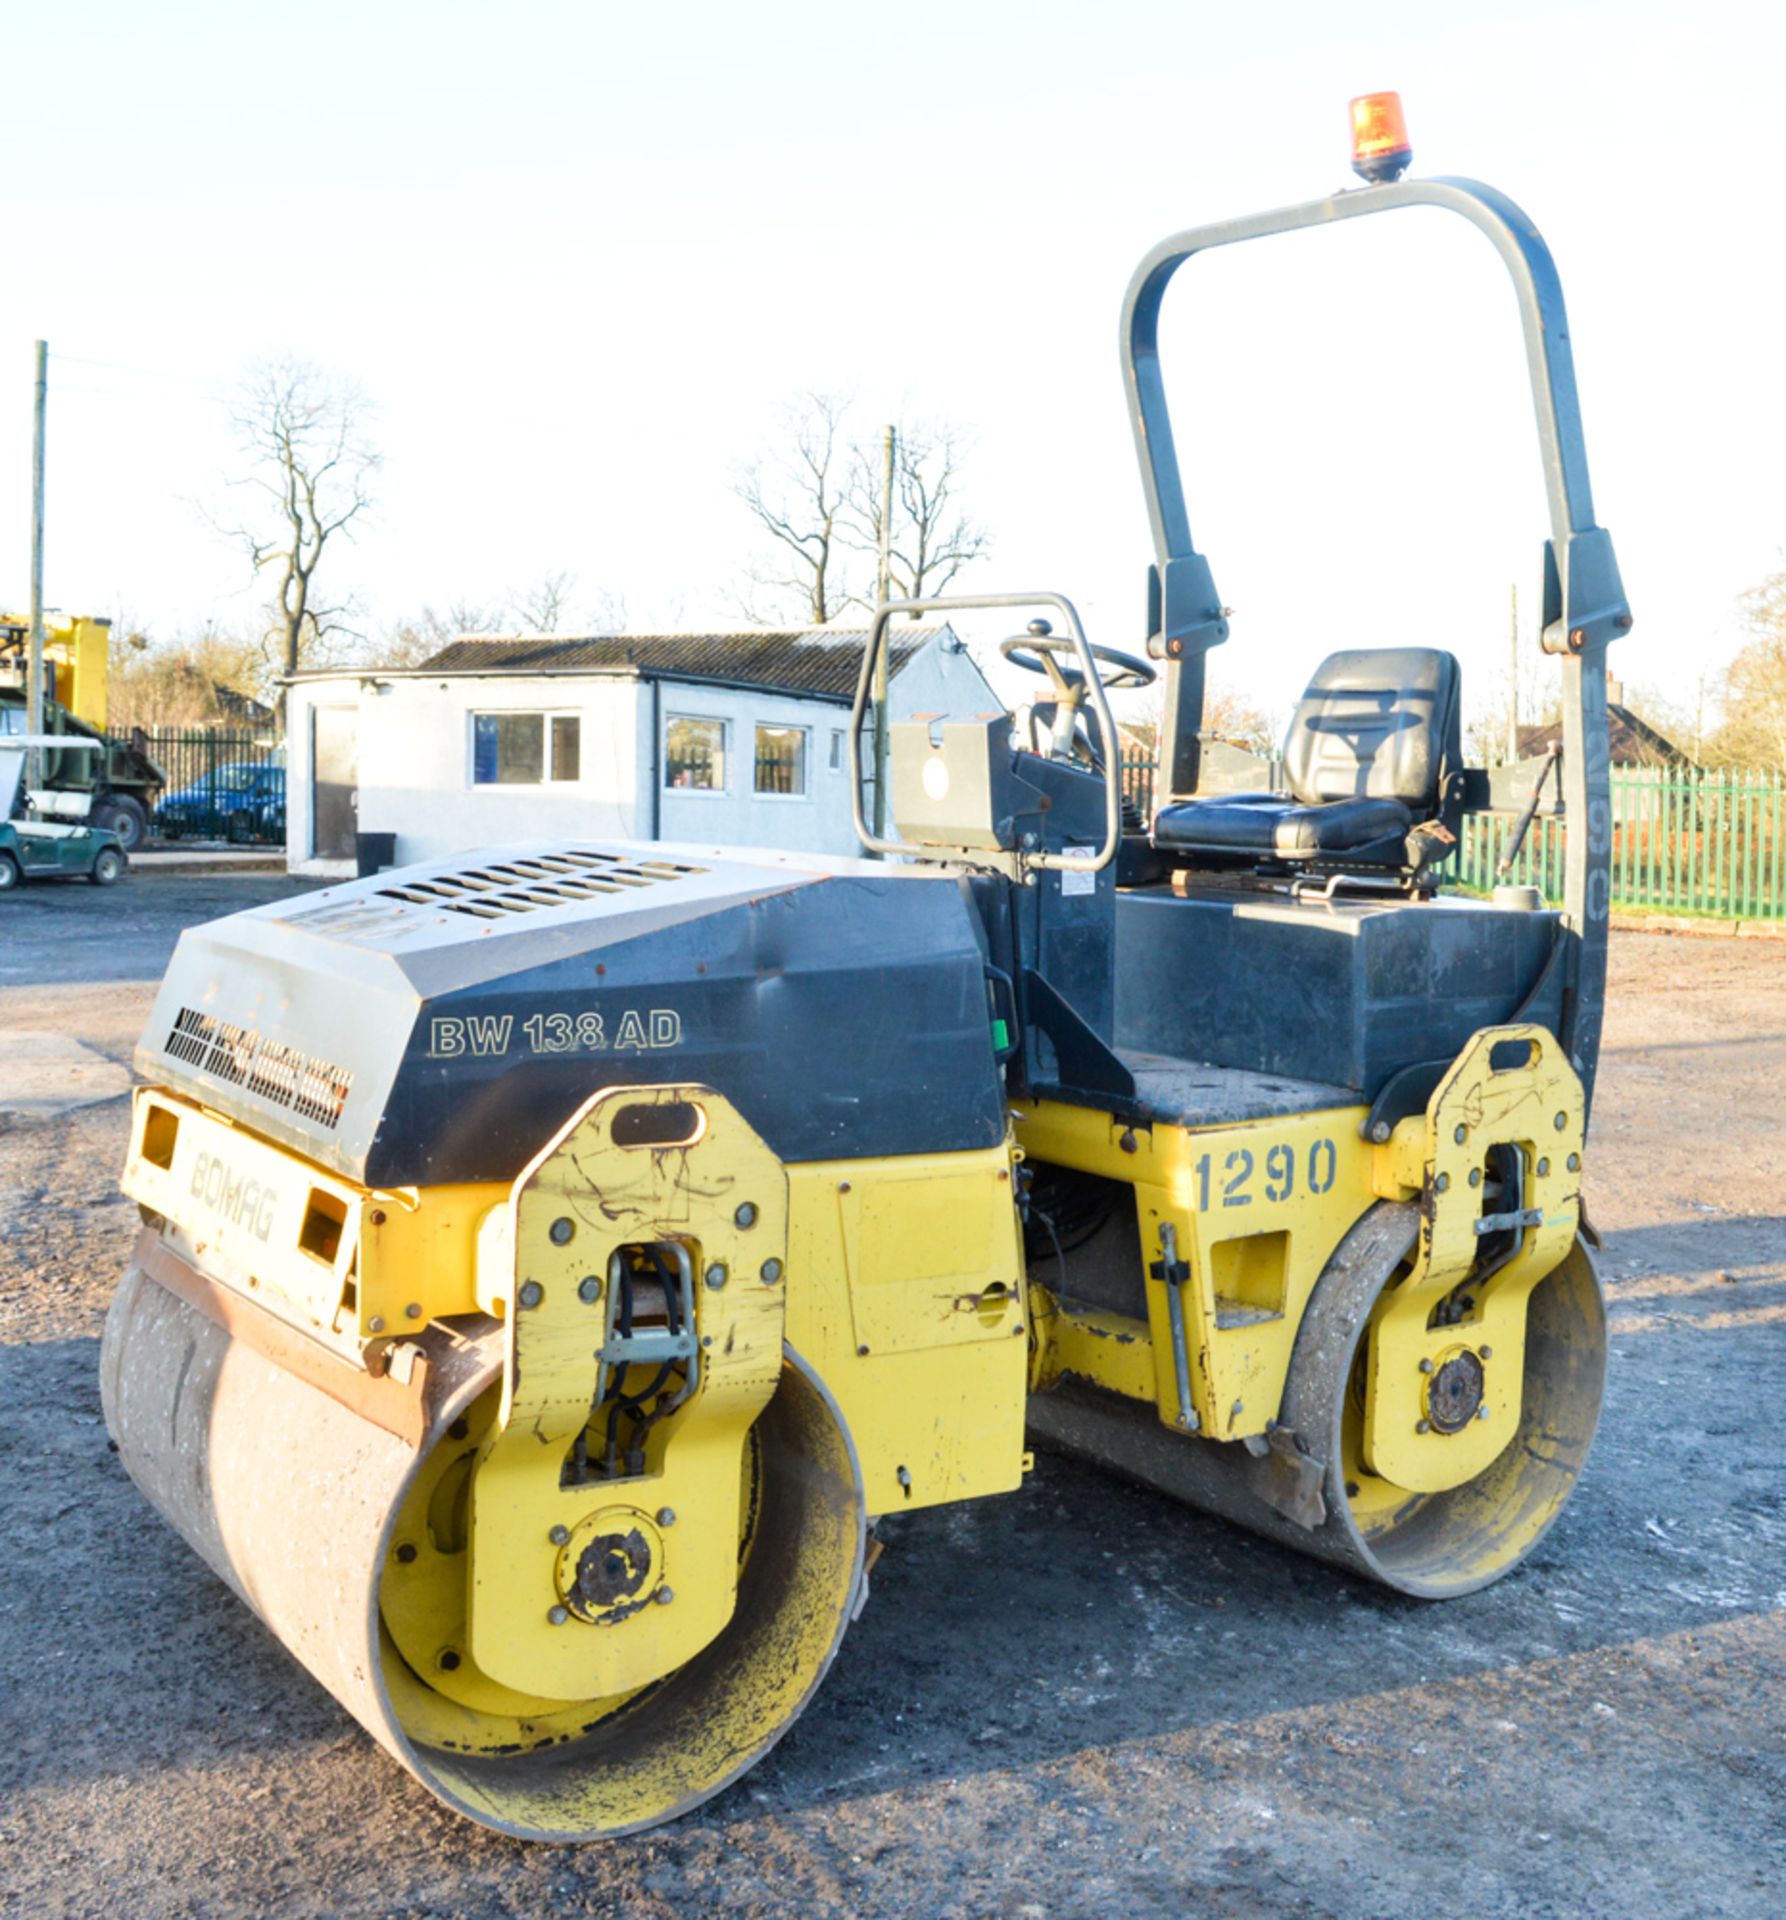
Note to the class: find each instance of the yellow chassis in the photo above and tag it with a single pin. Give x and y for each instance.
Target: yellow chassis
(898, 1282)
(1249, 1214)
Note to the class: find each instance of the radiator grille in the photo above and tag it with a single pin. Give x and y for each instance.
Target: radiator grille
(505, 887)
(313, 1089)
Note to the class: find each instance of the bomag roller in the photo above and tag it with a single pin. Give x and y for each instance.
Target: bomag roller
(555, 1260)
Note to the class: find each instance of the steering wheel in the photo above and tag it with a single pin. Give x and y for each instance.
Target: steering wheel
(1041, 650)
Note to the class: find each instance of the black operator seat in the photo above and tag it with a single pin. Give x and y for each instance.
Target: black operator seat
(1373, 752)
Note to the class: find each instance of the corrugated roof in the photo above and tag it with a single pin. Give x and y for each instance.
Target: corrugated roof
(821, 660)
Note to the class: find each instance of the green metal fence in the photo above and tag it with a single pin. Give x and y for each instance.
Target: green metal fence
(225, 783)
(1137, 782)
(1684, 840)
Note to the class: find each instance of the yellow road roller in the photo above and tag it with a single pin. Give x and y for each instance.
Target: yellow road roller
(556, 1259)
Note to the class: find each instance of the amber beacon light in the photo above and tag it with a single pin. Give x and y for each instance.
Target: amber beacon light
(1380, 150)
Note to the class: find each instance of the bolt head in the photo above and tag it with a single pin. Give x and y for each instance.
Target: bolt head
(532, 1293)
(559, 1536)
(1426, 1366)
(666, 1516)
(1475, 1176)
(589, 1289)
(1423, 1426)
(1380, 1132)
(1560, 1122)
(1488, 1353)
(1543, 1168)
(1442, 1183)
(771, 1272)
(1573, 1163)
(557, 1616)
(1481, 1413)
(1461, 1134)
(413, 1311)
(746, 1216)
(664, 1595)
(376, 1323)
(561, 1231)
(717, 1276)
(862, 1353)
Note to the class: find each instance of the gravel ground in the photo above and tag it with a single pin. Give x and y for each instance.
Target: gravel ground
(1077, 1700)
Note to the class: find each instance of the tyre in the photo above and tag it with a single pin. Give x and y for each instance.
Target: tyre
(124, 815)
(108, 867)
(241, 828)
(11, 875)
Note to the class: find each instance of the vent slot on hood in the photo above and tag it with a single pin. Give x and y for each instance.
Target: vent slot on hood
(313, 1089)
(503, 887)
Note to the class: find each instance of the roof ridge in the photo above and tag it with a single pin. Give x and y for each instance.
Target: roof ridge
(809, 660)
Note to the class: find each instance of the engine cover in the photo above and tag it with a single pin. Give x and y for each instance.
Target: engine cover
(436, 1023)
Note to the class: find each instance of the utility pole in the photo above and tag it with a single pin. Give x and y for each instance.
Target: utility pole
(34, 663)
(883, 593)
(1513, 680)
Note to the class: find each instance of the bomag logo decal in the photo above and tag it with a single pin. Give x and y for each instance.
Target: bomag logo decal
(232, 1196)
(490, 1035)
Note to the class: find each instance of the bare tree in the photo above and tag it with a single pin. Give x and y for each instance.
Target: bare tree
(820, 500)
(465, 617)
(797, 497)
(1228, 716)
(417, 637)
(310, 469)
(933, 539)
(193, 679)
(541, 608)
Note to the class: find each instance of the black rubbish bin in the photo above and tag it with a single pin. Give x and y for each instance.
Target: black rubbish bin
(373, 852)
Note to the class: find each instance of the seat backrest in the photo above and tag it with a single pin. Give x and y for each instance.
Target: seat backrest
(1382, 722)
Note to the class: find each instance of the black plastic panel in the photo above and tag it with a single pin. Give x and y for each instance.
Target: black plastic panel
(1345, 994)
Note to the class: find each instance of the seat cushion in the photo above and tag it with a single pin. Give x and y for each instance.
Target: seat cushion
(1379, 721)
(1275, 826)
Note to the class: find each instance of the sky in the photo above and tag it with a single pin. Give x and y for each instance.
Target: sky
(582, 257)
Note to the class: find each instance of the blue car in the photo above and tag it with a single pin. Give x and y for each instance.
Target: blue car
(241, 800)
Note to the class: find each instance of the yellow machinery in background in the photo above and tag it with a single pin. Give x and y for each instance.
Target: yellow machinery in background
(556, 1259)
(76, 652)
(115, 788)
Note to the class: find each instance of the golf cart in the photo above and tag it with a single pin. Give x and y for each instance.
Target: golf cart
(33, 849)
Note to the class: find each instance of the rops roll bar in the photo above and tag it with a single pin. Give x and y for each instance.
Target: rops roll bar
(1584, 600)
